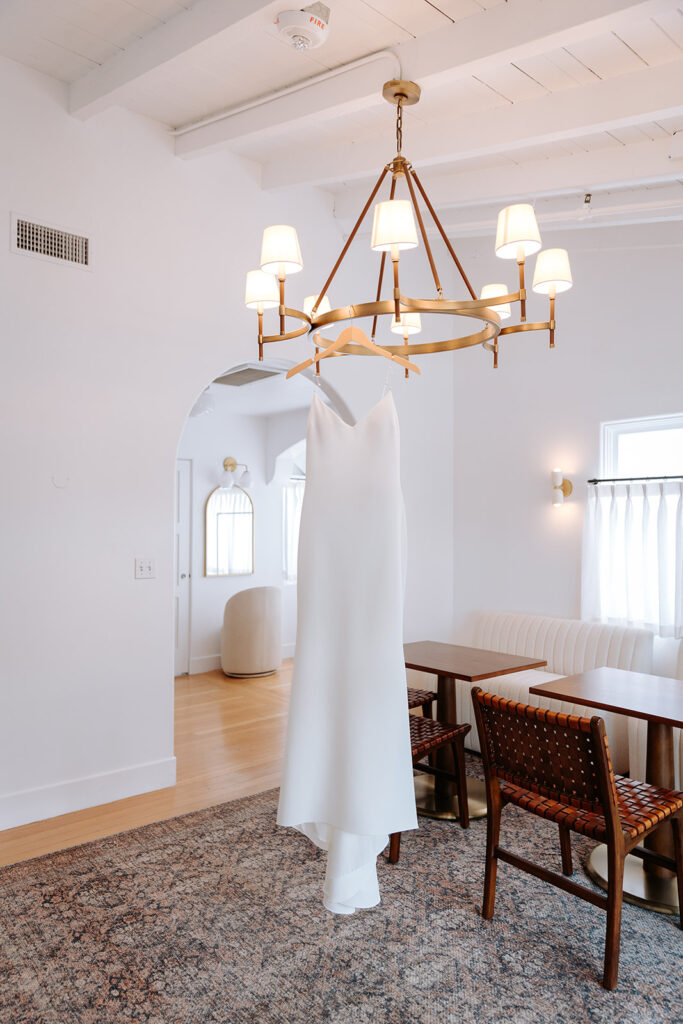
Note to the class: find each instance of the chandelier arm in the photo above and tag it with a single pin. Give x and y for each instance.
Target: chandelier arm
(426, 348)
(443, 233)
(519, 328)
(304, 329)
(382, 264)
(260, 336)
(423, 232)
(349, 240)
(481, 308)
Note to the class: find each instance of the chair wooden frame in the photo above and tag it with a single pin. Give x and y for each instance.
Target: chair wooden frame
(542, 792)
(428, 736)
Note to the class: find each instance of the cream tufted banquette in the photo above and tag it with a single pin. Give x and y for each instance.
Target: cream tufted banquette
(667, 661)
(569, 646)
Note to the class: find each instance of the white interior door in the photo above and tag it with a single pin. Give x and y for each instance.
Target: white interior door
(183, 553)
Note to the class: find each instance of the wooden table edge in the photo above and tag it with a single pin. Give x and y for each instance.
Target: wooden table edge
(540, 691)
(477, 678)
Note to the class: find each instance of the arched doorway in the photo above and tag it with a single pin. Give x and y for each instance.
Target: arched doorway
(251, 414)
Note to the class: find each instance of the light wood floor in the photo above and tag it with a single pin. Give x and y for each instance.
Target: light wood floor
(229, 740)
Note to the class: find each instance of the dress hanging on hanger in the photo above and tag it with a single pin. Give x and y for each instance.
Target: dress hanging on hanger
(348, 780)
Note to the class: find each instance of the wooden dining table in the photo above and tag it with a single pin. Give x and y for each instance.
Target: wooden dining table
(659, 701)
(435, 797)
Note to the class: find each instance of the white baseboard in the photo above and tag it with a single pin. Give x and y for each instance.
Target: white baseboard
(207, 663)
(76, 794)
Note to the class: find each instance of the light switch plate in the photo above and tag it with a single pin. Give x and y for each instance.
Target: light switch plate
(145, 569)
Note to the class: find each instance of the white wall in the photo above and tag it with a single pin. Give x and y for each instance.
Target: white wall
(99, 373)
(618, 354)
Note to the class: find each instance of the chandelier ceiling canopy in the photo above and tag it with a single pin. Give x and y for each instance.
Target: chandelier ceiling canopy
(398, 224)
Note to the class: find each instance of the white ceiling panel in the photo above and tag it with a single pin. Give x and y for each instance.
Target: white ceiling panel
(650, 42)
(412, 16)
(607, 56)
(671, 22)
(571, 66)
(512, 83)
(544, 70)
(45, 56)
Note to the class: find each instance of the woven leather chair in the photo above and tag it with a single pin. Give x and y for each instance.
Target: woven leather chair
(426, 737)
(558, 767)
(421, 699)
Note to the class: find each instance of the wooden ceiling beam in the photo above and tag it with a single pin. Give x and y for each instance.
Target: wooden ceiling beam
(99, 89)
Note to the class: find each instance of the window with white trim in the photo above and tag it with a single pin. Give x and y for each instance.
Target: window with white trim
(633, 544)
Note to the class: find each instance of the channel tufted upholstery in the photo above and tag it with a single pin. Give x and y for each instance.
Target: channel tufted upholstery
(569, 646)
(667, 661)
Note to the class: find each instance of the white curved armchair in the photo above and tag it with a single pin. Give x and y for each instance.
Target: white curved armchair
(251, 641)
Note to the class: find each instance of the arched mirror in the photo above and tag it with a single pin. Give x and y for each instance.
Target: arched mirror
(229, 533)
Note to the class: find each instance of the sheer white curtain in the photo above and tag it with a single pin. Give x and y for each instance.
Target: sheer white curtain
(633, 555)
(292, 500)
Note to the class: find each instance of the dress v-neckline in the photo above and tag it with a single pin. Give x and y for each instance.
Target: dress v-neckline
(363, 419)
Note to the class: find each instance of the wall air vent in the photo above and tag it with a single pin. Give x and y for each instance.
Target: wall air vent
(247, 373)
(49, 242)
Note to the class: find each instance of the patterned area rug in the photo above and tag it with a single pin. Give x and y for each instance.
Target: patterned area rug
(217, 917)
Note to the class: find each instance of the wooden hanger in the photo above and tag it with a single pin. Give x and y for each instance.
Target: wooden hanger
(353, 335)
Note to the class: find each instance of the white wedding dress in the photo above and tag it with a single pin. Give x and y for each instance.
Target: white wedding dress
(348, 781)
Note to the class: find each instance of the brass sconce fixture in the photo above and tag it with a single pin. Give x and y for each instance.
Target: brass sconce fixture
(562, 487)
(230, 466)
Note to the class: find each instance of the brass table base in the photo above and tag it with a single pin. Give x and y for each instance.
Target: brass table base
(446, 808)
(640, 888)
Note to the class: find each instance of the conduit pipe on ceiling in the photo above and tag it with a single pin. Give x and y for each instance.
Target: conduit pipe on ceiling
(260, 101)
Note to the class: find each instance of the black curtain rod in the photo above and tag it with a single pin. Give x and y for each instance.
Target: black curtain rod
(631, 479)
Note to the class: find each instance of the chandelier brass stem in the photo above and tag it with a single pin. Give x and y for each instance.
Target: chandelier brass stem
(349, 240)
(443, 234)
(522, 290)
(397, 291)
(260, 336)
(552, 321)
(281, 282)
(382, 264)
(423, 232)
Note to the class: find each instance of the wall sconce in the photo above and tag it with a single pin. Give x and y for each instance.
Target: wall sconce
(230, 478)
(562, 488)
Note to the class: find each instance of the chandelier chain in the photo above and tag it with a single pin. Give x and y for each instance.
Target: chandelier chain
(399, 125)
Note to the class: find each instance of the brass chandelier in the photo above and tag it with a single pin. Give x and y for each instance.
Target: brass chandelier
(394, 229)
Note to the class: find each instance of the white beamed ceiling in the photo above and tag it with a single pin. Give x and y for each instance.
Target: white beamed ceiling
(523, 99)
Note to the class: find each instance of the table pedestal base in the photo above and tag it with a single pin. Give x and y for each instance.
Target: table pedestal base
(431, 805)
(640, 887)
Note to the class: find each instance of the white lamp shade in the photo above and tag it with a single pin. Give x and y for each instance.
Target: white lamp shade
(280, 252)
(558, 496)
(410, 323)
(245, 479)
(517, 232)
(324, 306)
(261, 291)
(557, 477)
(393, 226)
(552, 273)
(493, 291)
